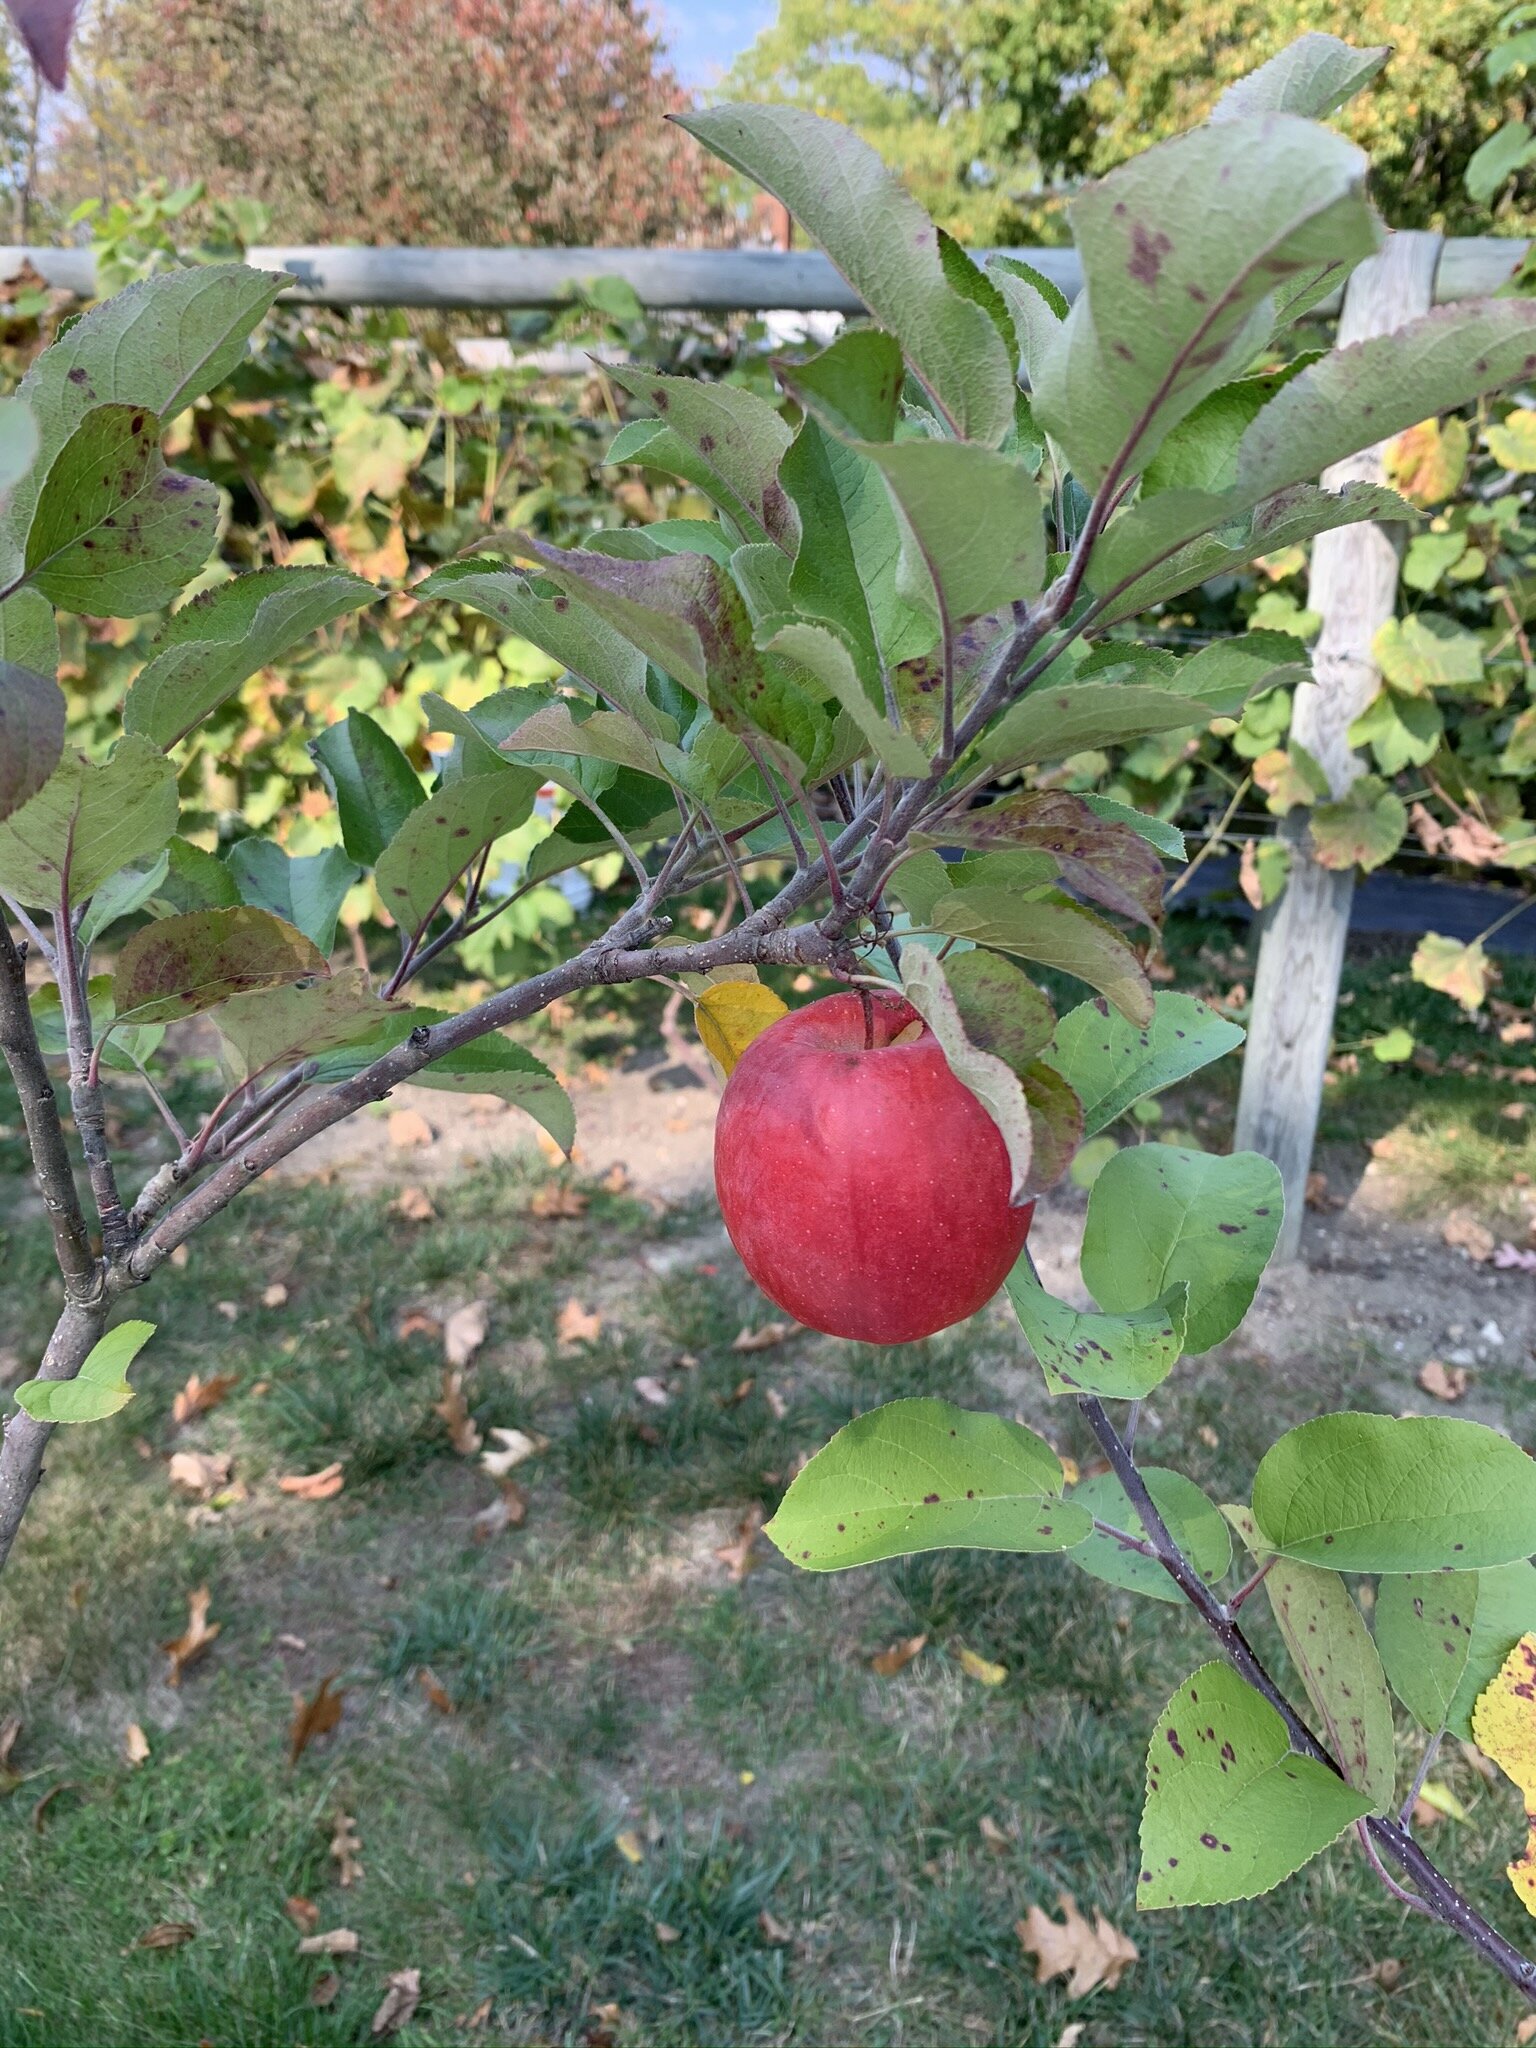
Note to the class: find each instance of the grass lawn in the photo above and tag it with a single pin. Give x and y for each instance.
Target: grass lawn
(659, 1791)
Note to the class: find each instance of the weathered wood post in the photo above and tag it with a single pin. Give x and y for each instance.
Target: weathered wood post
(1353, 585)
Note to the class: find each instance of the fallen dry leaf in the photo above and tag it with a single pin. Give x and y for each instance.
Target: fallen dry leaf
(135, 1745)
(229, 1310)
(464, 1332)
(773, 1930)
(322, 1485)
(324, 1989)
(509, 1510)
(454, 1410)
(602, 2028)
(778, 1407)
(340, 1941)
(1386, 1975)
(576, 1325)
(317, 1716)
(1445, 1382)
(650, 1389)
(417, 1323)
(10, 1728)
(201, 1473)
(739, 1556)
(472, 2022)
(616, 1181)
(549, 1148)
(432, 1686)
(304, 1913)
(629, 1846)
(185, 1650)
(346, 1851)
(398, 2008)
(1069, 1947)
(1071, 2034)
(516, 1446)
(978, 1668)
(558, 1201)
(415, 1205)
(764, 1339)
(40, 1811)
(167, 1934)
(664, 1934)
(1464, 1233)
(897, 1657)
(198, 1396)
(1526, 2030)
(275, 1295)
(408, 1127)
(994, 1836)
(1318, 1196)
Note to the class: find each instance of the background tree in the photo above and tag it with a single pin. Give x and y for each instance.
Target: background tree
(481, 121)
(988, 108)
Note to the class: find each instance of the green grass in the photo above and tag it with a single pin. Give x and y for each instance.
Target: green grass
(607, 1679)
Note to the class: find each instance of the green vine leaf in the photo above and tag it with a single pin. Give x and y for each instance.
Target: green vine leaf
(1362, 828)
(1121, 1358)
(921, 1475)
(1231, 1810)
(100, 1387)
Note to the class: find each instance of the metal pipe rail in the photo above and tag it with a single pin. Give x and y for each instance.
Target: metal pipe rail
(664, 280)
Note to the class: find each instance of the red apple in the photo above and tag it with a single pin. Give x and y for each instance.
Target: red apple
(865, 1189)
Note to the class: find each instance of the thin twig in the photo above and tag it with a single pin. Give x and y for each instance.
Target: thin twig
(1213, 839)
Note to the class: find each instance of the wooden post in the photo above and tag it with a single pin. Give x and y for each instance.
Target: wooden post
(1353, 585)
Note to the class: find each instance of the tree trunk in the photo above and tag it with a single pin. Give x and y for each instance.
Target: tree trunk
(1354, 586)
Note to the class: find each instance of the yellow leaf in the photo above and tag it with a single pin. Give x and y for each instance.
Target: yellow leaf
(629, 1846)
(978, 1668)
(730, 1014)
(1504, 1728)
(1442, 1799)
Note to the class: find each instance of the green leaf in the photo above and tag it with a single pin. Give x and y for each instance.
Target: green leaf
(991, 1080)
(1312, 76)
(32, 712)
(276, 1027)
(1055, 931)
(438, 841)
(976, 519)
(20, 442)
(1454, 969)
(120, 896)
(1226, 674)
(1112, 1063)
(1002, 1010)
(178, 966)
(882, 242)
(1174, 304)
(1427, 651)
(740, 441)
(1194, 1523)
(1036, 306)
(195, 880)
(1337, 1662)
(852, 386)
(1107, 862)
(602, 736)
(1055, 1118)
(116, 532)
(100, 1387)
(1119, 1357)
(1493, 163)
(1049, 724)
(87, 822)
(130, 1047)
(1362, 828)
(1377, 1493)
(29, 632)
(1159, 1215)
(818, 650)
(374, 787)
(306, 889)
(213, 644)
(561, 627)
(921, 1475)
(1443, 1636)
(1168, 839)
(1231, 1810)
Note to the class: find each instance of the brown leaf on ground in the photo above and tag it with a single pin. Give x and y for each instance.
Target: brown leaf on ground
(200, 1473)
(897, 1657)
(577, 1325)
(324, 1989)
(415, 1322)
(472, 2022)
(995, 1838)
(1318, 1196)
(549, 1147)
(616, 1181)
(764, 1339)
(317, 1716)
(738, 1393)
(557, 1201)
(185, 1650)
(167, 1934)
(1445, 1382)
(1386, 1974)
(516, 1446)
(346, 1851)
(773, 1930)
(40, 1811)
(454, 1410)
(408, 1127)
(464, 1332)
(1526, 2030)
(415, 1205)
(199, 1395)
(651, 1390)
(740, 1556)
(275, 1295)
(664, 1934)
(304, 1913)
(10, 1728)
(509, 1510)
(402, 1995)
(778, 1407)
(322, 1485)
(1464, 1233)
(1069, 1947)
(432, 1686)
(1071, 2034)
(340, 1941)
(135, 1745)
(602, 2028)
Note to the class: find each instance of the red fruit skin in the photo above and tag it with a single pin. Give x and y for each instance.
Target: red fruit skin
(867, 1192)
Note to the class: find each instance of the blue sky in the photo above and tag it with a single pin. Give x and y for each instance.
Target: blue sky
(704, 35)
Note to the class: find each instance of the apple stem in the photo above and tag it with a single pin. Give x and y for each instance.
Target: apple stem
(869, 1020)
